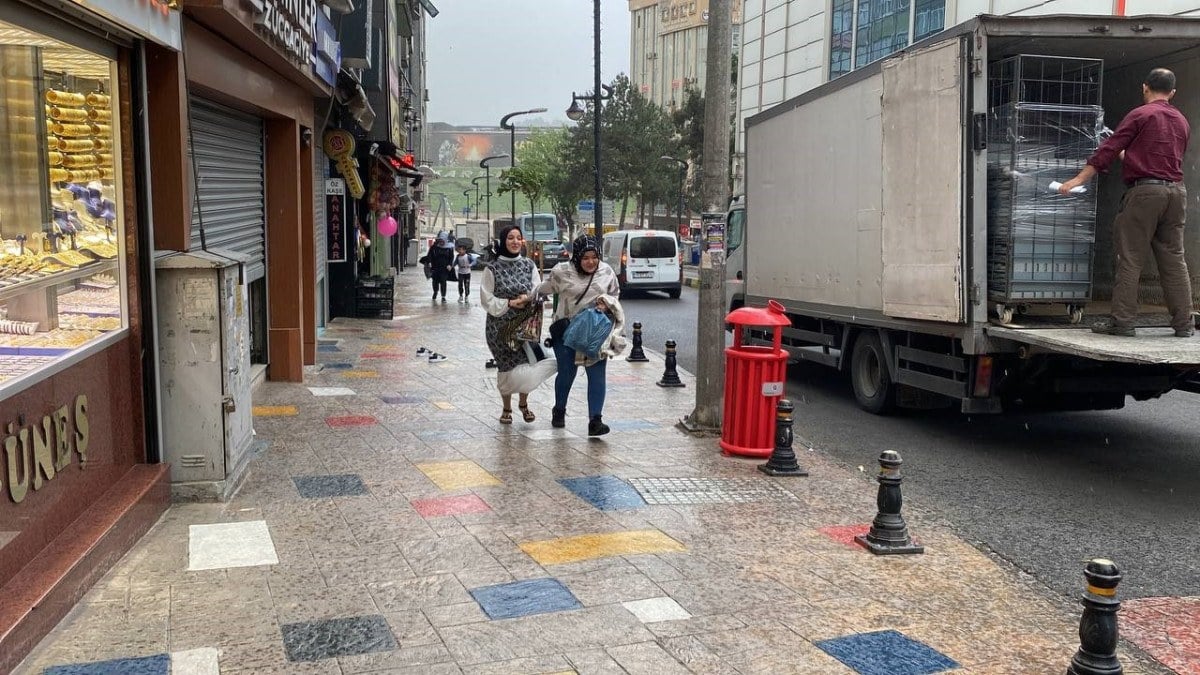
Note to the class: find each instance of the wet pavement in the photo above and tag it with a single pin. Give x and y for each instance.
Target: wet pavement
(394, 525)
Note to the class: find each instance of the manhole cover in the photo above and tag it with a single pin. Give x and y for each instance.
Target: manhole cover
(708, 490)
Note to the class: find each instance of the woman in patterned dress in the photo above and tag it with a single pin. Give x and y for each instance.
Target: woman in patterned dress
(506, 294)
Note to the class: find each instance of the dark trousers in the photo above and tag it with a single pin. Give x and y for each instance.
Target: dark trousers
(439, 284)
(1151, 219)
(464, 285)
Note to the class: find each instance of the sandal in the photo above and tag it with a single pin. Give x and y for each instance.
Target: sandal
(506, 416)
(527, 413)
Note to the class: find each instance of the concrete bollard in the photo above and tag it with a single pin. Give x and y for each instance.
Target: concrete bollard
(889, 533)
(636, 355)
(1097, 653)
(670, 378)
(783, 459)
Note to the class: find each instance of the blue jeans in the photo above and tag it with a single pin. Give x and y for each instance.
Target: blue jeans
(566, 377)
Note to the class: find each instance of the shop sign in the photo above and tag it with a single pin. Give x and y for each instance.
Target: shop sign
(289, 24)
(339, 145)
(327, 51)
(35, 451)
(156, 20)
(335, 220)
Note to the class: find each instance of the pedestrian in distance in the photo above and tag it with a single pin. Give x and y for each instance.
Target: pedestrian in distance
(513, 328)
(1150, 142)
(579, 283)
(463, 261)
(441, 265)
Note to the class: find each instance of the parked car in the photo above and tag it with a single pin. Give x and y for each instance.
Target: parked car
(645, 260)
(554, 252)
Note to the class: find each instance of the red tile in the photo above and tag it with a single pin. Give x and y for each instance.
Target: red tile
(845, 533)
(1165, 628)
(351, 421)
(450, 506)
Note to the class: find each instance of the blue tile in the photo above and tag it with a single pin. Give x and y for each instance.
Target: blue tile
(159, 664)
(886, 653)
(328, 348)
(606, 493)
(397, 400)
(319, 487)
(631, 425)
(523, 598)
(338, 366)
(317, 640)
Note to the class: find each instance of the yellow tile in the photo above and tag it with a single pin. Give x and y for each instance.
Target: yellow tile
(444, 405)
(457, 475)
(589, 546)
(360, 373)
(275, 411)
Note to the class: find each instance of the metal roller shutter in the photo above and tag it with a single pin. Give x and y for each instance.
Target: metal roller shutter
(320, 173)
(230, 159)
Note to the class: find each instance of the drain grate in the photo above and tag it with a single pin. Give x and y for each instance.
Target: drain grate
(708, 490)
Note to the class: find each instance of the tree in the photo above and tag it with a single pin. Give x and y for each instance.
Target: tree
(544, 171)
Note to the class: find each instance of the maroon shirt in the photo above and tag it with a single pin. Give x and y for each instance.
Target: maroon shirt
(1153, 137)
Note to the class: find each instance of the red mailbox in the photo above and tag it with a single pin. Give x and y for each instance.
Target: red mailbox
(754, 379)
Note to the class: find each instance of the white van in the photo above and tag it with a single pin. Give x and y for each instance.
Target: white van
(645, 260)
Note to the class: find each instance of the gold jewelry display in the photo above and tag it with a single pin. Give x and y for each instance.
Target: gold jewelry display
(55, 97)
(69, 114)
(99, 100)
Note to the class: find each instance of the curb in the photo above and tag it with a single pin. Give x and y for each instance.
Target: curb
(691, 283)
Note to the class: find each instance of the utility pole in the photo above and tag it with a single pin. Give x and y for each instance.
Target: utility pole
(710, 324)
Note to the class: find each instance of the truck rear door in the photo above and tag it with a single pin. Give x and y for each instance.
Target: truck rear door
(922, 158)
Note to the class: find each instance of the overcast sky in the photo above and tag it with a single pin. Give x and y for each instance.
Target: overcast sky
(492, 57)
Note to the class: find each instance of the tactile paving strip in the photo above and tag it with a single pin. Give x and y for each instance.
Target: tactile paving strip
(708, 490)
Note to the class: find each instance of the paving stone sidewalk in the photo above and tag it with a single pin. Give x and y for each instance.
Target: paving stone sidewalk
(394, 525)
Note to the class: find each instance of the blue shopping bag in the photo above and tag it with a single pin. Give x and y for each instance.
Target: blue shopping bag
(588, 331)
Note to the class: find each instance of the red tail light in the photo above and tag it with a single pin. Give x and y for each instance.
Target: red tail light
(983, 377)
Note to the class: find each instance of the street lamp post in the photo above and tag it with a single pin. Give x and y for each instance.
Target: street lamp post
(475, 182)
(483, 164)
(512, 147)
(467, 194)
(576, 113)
(682, 177)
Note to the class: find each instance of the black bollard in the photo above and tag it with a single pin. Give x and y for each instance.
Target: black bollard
(636, 355)
(670, 378)
(491, 363)
(783, 459)
(1097, 653)
(889, 533)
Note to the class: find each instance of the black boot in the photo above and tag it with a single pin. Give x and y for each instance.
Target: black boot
(597, 427)
(558, 417)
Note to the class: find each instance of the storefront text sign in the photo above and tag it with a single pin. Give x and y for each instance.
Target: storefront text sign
(335, 220)
(339, 144)
(290, 24)
(37, 450)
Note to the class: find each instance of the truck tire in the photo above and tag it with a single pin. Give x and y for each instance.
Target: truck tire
(869, 376)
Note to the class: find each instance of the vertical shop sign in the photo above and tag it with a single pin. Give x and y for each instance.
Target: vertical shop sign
(335, 220)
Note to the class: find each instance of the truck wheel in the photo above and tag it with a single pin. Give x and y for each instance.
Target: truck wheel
(869, 375)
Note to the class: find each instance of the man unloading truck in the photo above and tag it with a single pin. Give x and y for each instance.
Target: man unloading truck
(1150, 140)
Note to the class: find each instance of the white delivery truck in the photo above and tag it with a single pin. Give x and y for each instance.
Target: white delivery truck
(902, 214)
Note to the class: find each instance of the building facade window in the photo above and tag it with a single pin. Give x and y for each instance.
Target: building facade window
(864, 31)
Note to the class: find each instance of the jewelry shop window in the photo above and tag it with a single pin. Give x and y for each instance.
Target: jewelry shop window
(61, 227)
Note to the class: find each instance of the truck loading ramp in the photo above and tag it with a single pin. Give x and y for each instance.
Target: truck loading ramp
(1150, 346)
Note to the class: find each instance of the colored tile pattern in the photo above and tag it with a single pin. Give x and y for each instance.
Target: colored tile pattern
(225, 545)
(159, 664)
(317, 640)
(606, 493)
(401, 400)
(845, 534)
(275, 411)
(886, 653)
(361, 374)
(450, 506)
(591, 546)
(443, 405)
(203, 661)
(709, 490)
(323, 487)
(337, 366)
(1166, 628)
(344, 421)
(328, 348)
(331, 391)
(652, 610)
(457, 475)
(523, 598)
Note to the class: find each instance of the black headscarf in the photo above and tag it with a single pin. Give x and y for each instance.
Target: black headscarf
(582, 244)
(500, 248)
